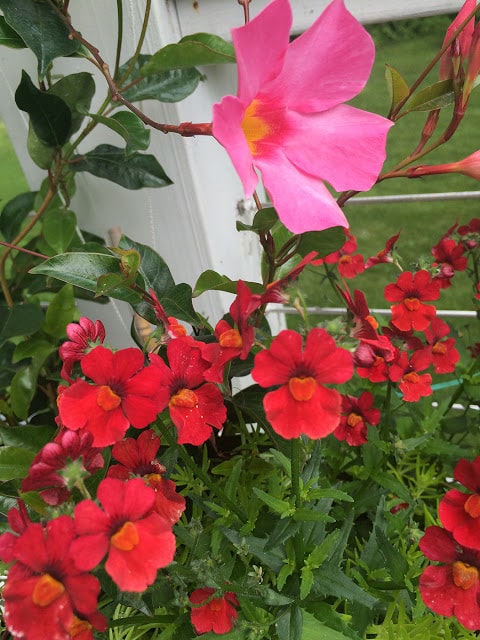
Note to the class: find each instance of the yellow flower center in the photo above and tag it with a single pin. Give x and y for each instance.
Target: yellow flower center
(254, 127)
(185, 398)
(412, 304)
(78, 627)
(439, 347)
(230, 338)
(126, 538)
(472, 506)
(107, 399)
(46, 590)
(302, 389)
(353, 419)
(464, 575)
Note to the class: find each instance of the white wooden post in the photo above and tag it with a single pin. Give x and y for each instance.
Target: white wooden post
(192, 223)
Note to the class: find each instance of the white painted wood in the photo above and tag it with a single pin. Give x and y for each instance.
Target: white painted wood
(218, 16)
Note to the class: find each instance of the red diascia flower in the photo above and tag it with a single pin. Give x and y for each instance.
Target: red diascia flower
(195, 406)
(125, 392)
(372, 359)
(137, 458)
(449, 257)
(443, 354)
(84, 336)
(217, 614)
(357, 413)
(55, 457)
(348, 247)
(276, 291)
(385, 255)
(470, 233)
(46, 592)
(413, 385)
(350, 266)
(365, 324)
(138, 540)
(459, 511)
(410, 291)
(18, 521)
(452, 588)
(172, 328)
(302, 404)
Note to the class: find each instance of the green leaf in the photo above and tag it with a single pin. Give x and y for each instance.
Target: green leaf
(77, 91)
(14, 462)
(41, 28)
(58, 227)
(313, 629)
(60, 312)
(289, 624)
(34, 347)
(335, 494)
(49, 114)
(167, 86)
(325, 242)
(436, 96)
(330, 580)
(397, 86)
(19, 320)
(83, 270)
(129, 127)
(212, 281)
(277, 505)
(40, 153)
(135, 171)
(14, 213)
(9, 37)
(23, 389)
(263, 220)
(29, 437)
(191, 51)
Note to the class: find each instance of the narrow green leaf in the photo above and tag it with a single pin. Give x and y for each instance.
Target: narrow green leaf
(195, 50)
(14, 462)
(212, 281)
(19, 320)
(14, 213)
(129, 127)
(49, 114)
(58, 227)
(330, 580)
(313, 629)
(306, 582)
(9, 37)
(436, 96)
(135, 171)
(41, 28)
(172, 85)
(310, 515)
(60, 312)
(289, 625)
(277, 505)
(397, 86)
(335, 494)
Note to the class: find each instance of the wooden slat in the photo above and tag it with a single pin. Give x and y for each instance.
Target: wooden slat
(218, 16)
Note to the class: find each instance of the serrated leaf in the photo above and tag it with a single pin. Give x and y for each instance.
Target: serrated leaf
(135, 171)
(9, 37)
(397, 86)
(49, 115)
(436, 96)
(41, 28)
(277, 505)
(14, 213)
(19, 320)
(330, 580)
(129, 127)
(335, 494)
(194, 50)
(14, 462)
(167, 86)
(58, 227)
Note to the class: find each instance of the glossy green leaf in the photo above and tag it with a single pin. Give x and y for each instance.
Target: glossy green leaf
(166, 86)
(49, 114)
(60, 312)
(77, 91)
(58, 227)
(436, 96)
(19, 320)
(397, 86)
(263, 220)
(42, 154)
(34, 347)
(14, 462)
(9, 37)
(29, 437)
(129, 127)
(135, 171)
(191, 51)
(50, 37)
(83, 270)
(107, 284)
(14, 213)
(313, 629)
(212, 281)
(324, 242)
(23, 389)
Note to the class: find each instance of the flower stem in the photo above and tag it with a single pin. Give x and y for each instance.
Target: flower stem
(296, 453)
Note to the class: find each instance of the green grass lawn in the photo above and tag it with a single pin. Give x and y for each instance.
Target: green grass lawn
(12, 180)
(423, 223)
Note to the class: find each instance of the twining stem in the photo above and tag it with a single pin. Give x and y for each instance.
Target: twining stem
(139, 46)
(118, 53)
(51, 193)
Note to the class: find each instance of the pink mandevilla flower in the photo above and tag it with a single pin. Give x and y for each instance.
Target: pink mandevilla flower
(288, 119)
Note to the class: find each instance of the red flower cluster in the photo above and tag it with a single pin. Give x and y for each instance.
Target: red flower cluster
(357, 414)
(453, 588)
(215, 614)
